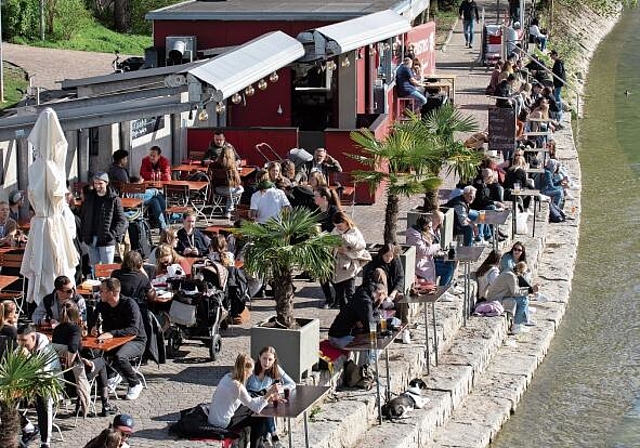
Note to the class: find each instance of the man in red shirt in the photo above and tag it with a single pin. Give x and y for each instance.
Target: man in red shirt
(155, 166)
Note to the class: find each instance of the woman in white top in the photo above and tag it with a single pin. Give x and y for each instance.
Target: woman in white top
(487, 274)
(231, 405)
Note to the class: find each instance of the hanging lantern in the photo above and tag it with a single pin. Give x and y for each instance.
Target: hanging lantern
(249, 91)
(372, 50)
(346, 62)
(220, 108)
(236, 98)
(274, 77)
(331, 65)
(262, 84)
(203, 115)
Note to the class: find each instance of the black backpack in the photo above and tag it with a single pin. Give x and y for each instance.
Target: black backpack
(140, 237)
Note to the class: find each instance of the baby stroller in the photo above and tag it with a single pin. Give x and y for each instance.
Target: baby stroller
(197, 310)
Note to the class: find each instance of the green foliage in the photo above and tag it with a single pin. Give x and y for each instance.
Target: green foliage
(14, 78)
(140, 8)
(21, 18)
(69, 17)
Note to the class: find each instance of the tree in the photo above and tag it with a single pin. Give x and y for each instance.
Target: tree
(283, 245)
(22, 378)
(399, 160)
(122, 15)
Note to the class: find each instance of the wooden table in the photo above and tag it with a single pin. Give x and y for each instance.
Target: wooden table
(243, 171)
(91, 342)
(361, 343)
(467, 255)
(425, 299)
(131, 202)
(495, 218)
(446, 76)
(6, 280)
(299, 402)
(214, 230)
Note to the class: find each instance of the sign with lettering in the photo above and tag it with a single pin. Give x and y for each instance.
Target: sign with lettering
(502, 128)
(423, 40)
(145, 126)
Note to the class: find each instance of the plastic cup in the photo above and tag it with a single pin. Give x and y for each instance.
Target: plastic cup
(516, 187)
(383, 324)
(373, 332)
(481, 216)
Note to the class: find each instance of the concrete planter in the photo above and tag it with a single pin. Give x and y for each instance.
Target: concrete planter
(297, 348)
(446, 236)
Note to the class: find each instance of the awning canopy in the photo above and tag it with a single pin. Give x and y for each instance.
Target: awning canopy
(231, 72)
(339, 38)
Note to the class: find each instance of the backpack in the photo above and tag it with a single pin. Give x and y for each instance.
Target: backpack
(140, 237)
(556, 214)
(358, 376)
(194, 424)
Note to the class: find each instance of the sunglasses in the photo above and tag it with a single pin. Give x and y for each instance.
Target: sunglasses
(66, 291)
(515, 249)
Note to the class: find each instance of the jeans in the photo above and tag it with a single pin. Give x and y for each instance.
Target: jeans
(522, 310)
(44, 410)
(344, 291)
(542, 41)
(444, 270)
(467, 26)
(556, 195)
(484, 230)
(230, 193)
(100, 254)
(419, 98)
(557, 94)
(122, 360)
(157, 206)
(243, 418)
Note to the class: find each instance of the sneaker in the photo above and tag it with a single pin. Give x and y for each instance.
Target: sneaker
(530, 323)
(28, 437)
(45, 445)
(134, 392)
(112, 383)
(447, 297)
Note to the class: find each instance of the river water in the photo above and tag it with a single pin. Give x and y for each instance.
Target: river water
(587, 391)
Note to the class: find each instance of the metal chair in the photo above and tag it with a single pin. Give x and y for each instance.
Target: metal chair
(16, 291)
(177, 197)
(219, 177)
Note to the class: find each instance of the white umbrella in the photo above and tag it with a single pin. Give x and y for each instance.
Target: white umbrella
(50, 251)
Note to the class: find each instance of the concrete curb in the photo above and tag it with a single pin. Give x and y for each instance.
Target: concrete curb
(450, 35)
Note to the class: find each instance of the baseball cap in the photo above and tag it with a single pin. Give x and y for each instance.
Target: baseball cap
(124, 423)
(15, 196)
(101, 176)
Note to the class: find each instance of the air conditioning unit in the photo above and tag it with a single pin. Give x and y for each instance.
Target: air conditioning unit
(180, 49)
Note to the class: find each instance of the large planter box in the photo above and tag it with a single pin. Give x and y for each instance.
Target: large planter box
(446, 231)
(297, 349)
(408, 260)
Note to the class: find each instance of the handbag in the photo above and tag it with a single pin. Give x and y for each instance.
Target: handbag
(182, 313)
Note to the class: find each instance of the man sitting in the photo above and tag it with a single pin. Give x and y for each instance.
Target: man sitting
(216, 146)
(268, 202)
(323, 163)
(464, 223)
(50, 308)
(120, 317)
(155, 166)
(118, 171)
(407, 84)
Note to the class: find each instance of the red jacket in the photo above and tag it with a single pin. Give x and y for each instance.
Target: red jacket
(163, 167)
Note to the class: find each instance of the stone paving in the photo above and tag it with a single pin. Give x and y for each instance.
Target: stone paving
(189, 380)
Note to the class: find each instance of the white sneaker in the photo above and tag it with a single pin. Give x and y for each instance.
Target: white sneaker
(447, 297)
(112, 383)
(134, 392)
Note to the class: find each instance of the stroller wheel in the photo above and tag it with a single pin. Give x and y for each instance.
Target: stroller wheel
(174, 340)
(215, 346)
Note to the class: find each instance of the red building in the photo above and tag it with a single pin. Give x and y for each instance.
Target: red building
(344, 80)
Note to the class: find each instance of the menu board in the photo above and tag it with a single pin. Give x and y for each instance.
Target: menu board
(502, 128)
(145, 126)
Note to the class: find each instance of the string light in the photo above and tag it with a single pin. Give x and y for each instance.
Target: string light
(236, 98)
(220, 108)
(203, 115)
(346, 62)
(249, 91)
(372, 50)
(331, 65)
(274, 77)
(262, 84)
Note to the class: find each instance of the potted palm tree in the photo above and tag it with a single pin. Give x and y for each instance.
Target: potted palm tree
(22, 378)
(277, 250)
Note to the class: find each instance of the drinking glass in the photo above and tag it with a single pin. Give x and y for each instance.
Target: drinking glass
(373, 331)
(516, 187)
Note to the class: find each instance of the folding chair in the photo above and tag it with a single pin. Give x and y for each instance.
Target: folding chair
(16, 291)
(345, 186)
(177, 197)
(219, 200)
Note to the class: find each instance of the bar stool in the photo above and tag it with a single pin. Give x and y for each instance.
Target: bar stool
(402, 104)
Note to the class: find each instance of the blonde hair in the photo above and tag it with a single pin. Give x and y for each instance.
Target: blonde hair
(165, 250)
(319, 178)
(243, 364)
(168, 236)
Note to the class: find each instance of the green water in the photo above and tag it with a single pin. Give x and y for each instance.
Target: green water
(587, 391)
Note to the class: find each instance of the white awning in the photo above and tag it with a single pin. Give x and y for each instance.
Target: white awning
(339, 38)
(235, 70)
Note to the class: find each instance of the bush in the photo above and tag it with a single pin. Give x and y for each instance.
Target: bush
(70, 17)
(141, 7)
(21, 18)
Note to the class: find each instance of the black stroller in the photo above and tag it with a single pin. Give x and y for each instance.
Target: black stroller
(197, 310)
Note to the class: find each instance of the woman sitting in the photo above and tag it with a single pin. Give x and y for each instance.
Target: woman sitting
(166, 257)
(191, 241)
(218, 251)
(231, 187)
(516, 255)
(506, 290)
(267, 372)
(551, 186)
(134, 281)
(68, 335)
(168, 236)
(8, 322)
(232, 406)
(487, 274)
(422, 237)
(517, 174)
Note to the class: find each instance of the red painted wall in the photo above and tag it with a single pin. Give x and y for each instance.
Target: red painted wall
(423, 38)
(361, 85)
(245, 140)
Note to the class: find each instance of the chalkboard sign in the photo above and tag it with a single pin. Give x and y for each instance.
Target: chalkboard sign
(145, 126)
(502, 129)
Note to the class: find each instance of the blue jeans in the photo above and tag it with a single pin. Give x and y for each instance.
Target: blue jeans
(556, 195)
(100, 254)
(444, 270)
(484, 230)
(467, 26)
(557, 94)
(157, 206)
(230, 193)
(419, 98)
(522, 310)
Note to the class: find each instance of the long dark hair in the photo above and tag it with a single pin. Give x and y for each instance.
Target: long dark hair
(524, 252)
(493, 259)
(274, 371)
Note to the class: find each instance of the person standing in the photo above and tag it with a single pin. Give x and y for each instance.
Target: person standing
(559, 80)
(103, 222)
(466, 11)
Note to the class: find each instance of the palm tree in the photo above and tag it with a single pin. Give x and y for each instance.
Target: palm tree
(283, 245)
(450, 155)
(22, 378)
(399, 161)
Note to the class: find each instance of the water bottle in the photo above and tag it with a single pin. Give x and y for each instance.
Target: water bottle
(99, 323)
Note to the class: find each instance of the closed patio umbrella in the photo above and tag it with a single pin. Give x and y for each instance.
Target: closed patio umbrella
(50, 251)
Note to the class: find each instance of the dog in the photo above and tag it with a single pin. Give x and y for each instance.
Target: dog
(412, 398)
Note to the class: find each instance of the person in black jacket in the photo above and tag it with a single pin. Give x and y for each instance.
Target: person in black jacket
(50, 308)
(559, 80)
(466, 11)
(120, 317)
(386, 268)
(355, 315)
(191, 241)
(103, 221)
